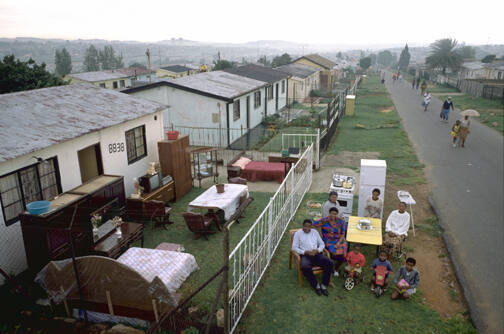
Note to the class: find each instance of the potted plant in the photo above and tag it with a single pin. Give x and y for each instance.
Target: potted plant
(96, 221)
(117, 221)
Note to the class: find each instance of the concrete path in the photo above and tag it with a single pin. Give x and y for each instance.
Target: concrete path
(467, 191)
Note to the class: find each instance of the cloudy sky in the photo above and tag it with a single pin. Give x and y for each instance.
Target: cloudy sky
(361, 22)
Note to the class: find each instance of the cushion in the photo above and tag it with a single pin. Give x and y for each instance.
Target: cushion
(242, 162)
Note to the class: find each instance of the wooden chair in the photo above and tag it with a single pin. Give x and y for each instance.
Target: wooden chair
(157, 212)
(199, 224)
(243, 205)
(297, 261)
(134, 209)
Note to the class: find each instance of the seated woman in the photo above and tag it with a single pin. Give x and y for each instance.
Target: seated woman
(333, 234)
(374, 205)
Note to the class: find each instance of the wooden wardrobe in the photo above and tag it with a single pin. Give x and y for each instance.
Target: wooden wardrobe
(175, 160)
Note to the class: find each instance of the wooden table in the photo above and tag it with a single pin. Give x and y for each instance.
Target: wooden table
(110, 245)
(228, 201)
(370, 237)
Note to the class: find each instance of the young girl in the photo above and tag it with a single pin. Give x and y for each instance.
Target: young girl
(455, 131)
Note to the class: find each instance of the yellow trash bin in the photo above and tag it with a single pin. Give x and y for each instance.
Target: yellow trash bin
(350, 105)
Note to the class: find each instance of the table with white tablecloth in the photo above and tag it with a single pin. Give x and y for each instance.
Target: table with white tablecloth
(228, 201)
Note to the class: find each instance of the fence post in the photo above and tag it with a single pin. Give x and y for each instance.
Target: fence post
(270, 226)
(225, 274)
(317, 157)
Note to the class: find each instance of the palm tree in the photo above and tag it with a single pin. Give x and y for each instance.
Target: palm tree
(444, 55)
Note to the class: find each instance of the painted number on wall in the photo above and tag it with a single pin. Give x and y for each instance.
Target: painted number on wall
(116, 147)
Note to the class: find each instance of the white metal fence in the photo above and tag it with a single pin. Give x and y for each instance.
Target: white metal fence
(302, 140)
(252, 255)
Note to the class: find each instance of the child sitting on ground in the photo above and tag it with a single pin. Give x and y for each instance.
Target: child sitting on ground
(381, 261)
(406, 280)
(355, 260)
(455, 131)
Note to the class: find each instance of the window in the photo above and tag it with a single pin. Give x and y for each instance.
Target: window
(121, 83)
(236, 110)
(102, 85)
(257, 99)
(37, 182)
(114, 84)
(283, 86)
(135, 144)
(269, 92)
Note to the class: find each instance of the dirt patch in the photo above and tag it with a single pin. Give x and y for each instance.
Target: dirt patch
(347, 159)
(387, 109)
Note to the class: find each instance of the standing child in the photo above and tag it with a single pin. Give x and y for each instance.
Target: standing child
(406, 280)
(355, 260)
(426, 100)
(455, 132)
(381, 261)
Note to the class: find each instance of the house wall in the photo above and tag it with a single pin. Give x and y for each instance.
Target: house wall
(331, 74)
(162, 73)
(300, 88)
(108, 83)
(282, 98)
(12, 254)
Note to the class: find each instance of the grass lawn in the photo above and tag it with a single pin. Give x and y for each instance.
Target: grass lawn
(280, 306)
(375, 127)
(486, 107)
(275, 143)
(208, 254)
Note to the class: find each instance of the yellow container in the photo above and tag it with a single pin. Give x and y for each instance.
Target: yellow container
(350, 105)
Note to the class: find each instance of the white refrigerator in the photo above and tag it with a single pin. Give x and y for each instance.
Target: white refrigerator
(373, 174)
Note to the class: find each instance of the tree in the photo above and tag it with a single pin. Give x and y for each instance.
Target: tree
(339, 55)
(63, 62)
(373, 58)
(263, 60)
(108, 59)
(281, 60)
(91, 62)
(385, 58)
(137, 64)
(404, 58)
(444, 55)
(365, 62)
(467, 52)
(222, 64)
(16, 75)
(488, 59)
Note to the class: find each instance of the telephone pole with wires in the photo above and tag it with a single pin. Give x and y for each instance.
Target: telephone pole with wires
(147, 53)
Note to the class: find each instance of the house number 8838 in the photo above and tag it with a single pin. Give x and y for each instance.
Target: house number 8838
(116, 147)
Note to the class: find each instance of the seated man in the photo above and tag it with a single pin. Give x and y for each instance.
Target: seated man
(309, 245)
(332, 202)
(396, 229)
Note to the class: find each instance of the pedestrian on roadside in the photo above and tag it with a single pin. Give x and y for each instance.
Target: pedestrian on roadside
(445, 111)
(464, 130)
(455, 132)
(418, 83)
(400, 77)
(413, 83)
(426, 100)
(423, 87)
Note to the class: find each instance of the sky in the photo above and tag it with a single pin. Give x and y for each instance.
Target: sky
(358, 22)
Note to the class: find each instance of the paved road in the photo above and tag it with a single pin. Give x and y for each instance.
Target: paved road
(467, 191)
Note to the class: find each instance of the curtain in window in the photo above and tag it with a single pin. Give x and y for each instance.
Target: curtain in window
(30, 185)
(11, 196)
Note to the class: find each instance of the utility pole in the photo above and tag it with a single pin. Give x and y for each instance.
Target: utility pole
(147, 53)
(218, 56)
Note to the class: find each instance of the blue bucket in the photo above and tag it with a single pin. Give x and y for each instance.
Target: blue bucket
(38, 207)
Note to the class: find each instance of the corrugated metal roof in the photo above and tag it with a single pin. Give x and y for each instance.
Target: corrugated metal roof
(99, 75)
(473, 65)
(177, 68)
(256, 72)
(324, 62)
(36, 119)
(298, 70)
(218, 83)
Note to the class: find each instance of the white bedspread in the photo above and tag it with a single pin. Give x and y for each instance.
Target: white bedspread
(228, 201)
(172, 268)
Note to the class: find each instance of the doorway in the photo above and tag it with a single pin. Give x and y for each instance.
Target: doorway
(276, 95)
(90, 162)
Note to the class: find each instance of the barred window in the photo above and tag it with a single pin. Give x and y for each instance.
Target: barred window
(37, 182)
(135, 144)
(257, 99)
(236, 110)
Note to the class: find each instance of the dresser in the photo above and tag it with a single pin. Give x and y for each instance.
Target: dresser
(175, 160)
(165, 193)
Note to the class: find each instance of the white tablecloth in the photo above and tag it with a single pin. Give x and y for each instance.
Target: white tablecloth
(228, 201)
(172, 268)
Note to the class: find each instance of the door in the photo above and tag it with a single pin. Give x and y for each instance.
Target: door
(248, 112)
(90, 162)
(276, 97)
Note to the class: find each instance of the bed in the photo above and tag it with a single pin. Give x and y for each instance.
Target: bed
(141, 283)
(243, 166)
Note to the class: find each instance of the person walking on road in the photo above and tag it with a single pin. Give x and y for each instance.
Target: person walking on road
(445, 111)
(423, 87)
(418, 83)
(455, 132)
(426, 100)
(413, 83)
(464, 130)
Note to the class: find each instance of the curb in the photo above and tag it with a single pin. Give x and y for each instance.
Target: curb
(475, 316)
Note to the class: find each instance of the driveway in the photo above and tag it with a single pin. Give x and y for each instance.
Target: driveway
(467, 191)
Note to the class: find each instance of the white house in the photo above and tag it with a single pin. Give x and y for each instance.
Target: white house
(303, 79)
(219, 107)
(113, 79)
(54, 139)
(276, 84)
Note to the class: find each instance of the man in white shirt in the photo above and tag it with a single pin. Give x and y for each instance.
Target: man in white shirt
(396, 228)
(309, 245)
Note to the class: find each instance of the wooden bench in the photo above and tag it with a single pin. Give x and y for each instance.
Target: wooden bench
(241, 208)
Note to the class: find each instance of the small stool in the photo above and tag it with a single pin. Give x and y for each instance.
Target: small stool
(170, 247)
